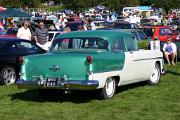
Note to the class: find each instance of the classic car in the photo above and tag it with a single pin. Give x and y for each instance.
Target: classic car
(139, 34)
(84, 60)
(11, 52)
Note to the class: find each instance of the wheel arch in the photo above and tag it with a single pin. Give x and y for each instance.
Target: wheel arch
(117, 79)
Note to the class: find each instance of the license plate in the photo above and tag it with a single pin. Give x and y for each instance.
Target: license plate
(51, 81)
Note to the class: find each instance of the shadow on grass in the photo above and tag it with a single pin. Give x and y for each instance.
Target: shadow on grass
(55, 96)
(173, 72)
(74, 96)
(130, 86)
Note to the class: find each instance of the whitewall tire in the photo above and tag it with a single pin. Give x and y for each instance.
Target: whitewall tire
(7, 75)
(109, 89)
(155, 76)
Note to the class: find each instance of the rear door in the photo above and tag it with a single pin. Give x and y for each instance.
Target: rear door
(135, 60)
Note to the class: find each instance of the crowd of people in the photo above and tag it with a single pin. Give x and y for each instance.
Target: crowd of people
(41, 35)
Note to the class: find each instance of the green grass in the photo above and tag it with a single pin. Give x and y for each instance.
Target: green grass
(132, 102)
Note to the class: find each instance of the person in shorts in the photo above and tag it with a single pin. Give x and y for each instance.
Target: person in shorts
(170, 51)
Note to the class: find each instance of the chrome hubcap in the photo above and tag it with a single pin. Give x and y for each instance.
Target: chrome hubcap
(9, 76)
(155, 75)
(109, 87)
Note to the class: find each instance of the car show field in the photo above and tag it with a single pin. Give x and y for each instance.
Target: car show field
(89, 60)
(139, 100)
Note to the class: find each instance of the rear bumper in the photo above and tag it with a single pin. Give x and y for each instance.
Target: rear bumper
(71, 84)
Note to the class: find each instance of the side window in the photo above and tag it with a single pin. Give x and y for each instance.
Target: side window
(118, 45)
(26, 48)
(131, 44)
(77, 43)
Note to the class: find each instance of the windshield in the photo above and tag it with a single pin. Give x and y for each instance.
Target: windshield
(79, 43)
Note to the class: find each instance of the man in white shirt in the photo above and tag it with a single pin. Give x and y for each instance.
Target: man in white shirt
(24, 32)
(170, 50)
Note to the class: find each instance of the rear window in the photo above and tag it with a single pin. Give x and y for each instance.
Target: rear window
(79, 43)
(164, 31)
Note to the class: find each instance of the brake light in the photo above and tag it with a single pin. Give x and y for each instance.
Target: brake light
(20, 59)
(89, 59)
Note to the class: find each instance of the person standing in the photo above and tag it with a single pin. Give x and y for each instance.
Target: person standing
(41, 34)
(91, 25)
(24, 32)
(170, 51)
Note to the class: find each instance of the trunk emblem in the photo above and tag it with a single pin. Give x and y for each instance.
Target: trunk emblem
(54, 68)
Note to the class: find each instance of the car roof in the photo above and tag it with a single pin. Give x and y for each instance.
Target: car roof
(130, 30)
(108, 35)
(155, 27)
(12, 39)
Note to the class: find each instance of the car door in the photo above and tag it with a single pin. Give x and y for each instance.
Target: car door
(134, 61)
(8, 53)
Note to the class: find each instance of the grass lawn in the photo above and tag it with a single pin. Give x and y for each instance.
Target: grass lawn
(132, 102)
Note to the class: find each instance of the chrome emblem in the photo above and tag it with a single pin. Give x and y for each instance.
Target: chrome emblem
(54, 68)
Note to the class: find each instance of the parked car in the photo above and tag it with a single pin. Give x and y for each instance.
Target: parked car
(74, 25)
(86, 60)
(11, 52)
(159, 32)
(9, 33)
(125, 25)
(139, 34)
(52, 36)
(120, 25)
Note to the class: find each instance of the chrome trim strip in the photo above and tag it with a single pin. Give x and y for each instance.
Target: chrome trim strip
(148, 59)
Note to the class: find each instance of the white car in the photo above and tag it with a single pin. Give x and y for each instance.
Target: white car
(52, 36)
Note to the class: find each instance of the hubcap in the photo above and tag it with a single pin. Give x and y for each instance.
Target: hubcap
(9, 76)
(110, 87)
(155, 75)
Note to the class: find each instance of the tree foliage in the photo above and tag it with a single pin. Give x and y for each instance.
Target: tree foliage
(78, 5)
(20, 3)
(165, 4)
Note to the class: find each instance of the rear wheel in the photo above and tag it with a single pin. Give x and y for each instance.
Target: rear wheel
(155, 76)
(109, 89)
(7, 75)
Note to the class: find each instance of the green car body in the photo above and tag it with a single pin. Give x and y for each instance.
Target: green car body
(72, 64)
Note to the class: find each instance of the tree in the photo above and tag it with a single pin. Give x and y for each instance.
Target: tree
(117, 5)
(20, 3)
(165, 4)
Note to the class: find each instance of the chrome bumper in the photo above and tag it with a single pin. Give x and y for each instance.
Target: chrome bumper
(71, 84)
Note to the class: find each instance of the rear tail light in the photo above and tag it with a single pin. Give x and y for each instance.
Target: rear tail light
(89, 59)
(20, 59)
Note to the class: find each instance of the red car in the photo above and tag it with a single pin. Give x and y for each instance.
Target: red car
(160, 32)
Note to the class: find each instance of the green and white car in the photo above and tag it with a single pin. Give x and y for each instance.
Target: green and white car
(88, 60)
